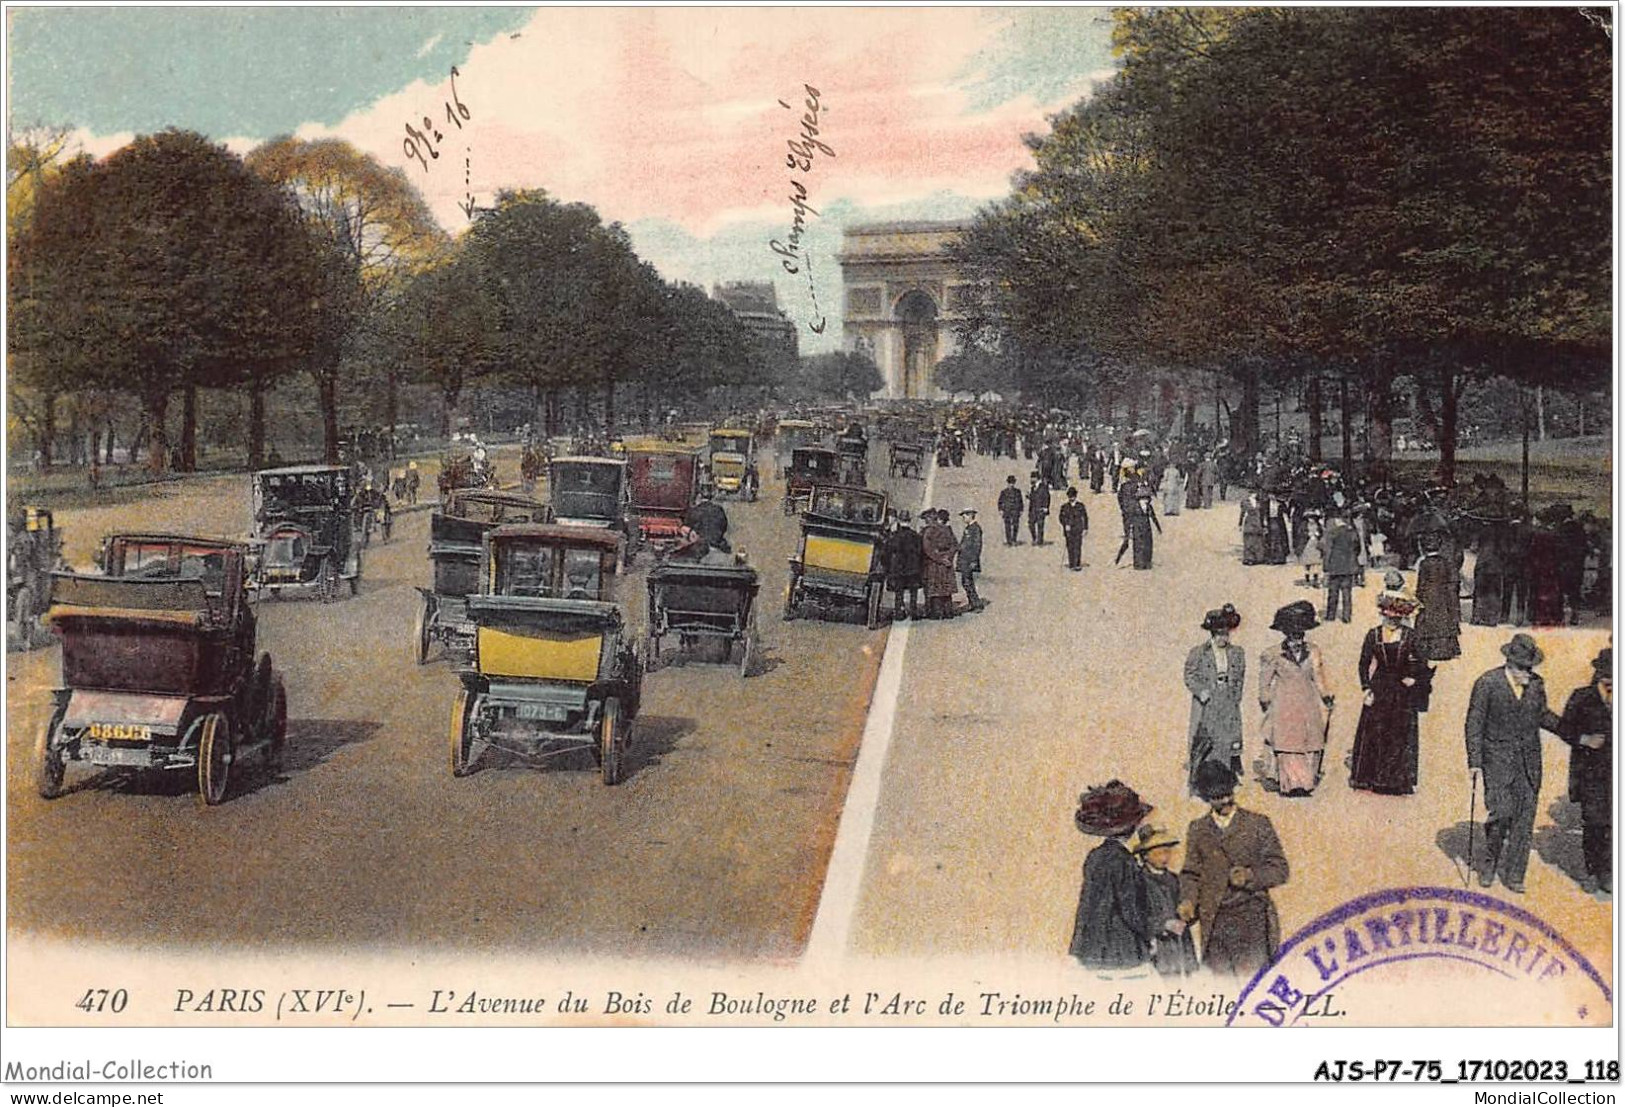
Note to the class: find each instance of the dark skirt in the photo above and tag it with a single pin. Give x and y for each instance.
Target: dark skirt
(1139, 530)
(1489, 595)
(1252, 549)
(1276, 542)
(1385, 742)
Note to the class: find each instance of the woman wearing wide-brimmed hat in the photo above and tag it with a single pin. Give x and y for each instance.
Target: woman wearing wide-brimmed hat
(1214, 674)
(1295, 696)
(1396, 682)
(1588, 726)
(1112, 929)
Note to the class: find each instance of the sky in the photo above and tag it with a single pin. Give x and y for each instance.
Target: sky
(675, 122)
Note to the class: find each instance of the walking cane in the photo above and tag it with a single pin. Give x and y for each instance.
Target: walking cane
(1472, 825)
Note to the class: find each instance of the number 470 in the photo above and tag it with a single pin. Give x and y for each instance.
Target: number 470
(98, 1000)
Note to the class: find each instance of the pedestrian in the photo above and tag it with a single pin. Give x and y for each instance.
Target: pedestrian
(1210, 480)
(710, 520)
(413, 480)
(939, 546)
(1173, 490)
(1010, 505)
(905, 559)
(1340, 547)
(1037, 508)
(1277, 542)
(1505, 715)
(1588, 726)
(1296, 700)
(1490, 572)
(1311, 553)
(1097, 469)
(1546, 558)
(1396, 682)
(1074, 519)
(970, 557)
(1173, 950)
(1193, 483)
(1140, 523)
(1215, 672)
(1254, 528)
(1233, 857)
(1438, 624)
(1112, 928)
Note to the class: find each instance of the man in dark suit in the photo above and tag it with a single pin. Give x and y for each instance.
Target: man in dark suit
(1340, 552)
(1010, 504)
(970, 557)
(1505, 716)
(1588, 726)
(1037, 508)
(905, 561)
(1074, 525)
(1233, 857)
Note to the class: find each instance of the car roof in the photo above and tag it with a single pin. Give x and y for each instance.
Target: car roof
(486, 496)
(587, 460)
(187, 539)
(601, 537)
(302, 470)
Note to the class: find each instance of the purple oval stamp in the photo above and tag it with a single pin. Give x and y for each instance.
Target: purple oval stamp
(1456, 950)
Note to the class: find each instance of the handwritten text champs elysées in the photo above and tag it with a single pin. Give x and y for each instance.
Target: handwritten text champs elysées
(801, 153)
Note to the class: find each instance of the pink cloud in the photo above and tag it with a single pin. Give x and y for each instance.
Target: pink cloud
(673, 113)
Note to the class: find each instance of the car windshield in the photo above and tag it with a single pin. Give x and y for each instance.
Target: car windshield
(583, 571)
(526, 571)
(300, 490)
(847, 505)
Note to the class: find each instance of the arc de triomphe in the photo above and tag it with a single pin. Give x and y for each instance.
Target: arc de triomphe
(903, 295)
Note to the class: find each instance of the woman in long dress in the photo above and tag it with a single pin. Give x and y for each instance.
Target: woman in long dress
(1173, 490)
(1294, 693)
(1140, 522)
(1277, 541)
(1438, 624)
(1396, 684)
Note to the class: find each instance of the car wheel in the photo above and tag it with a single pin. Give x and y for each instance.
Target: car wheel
(462, 734)
(215, 754)
(612, 741)
(420, 633)
(49, 766)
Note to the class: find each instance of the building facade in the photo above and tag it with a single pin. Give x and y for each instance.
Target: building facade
(902, 296)
(756, 305)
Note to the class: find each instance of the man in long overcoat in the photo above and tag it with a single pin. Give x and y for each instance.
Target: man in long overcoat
(1233, 857)
(1074, 525)
(1215, 672)
(1588, 726)
(1010, 504)
(1037, 508)
(939, 545)
(905, 562)
(970, 557)
(1505, 716)
(1341, 551)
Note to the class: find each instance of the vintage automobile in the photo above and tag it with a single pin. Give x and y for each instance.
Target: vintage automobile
(712, 599)
(733, 464)
(790, 435)
(906, 459)
(592, 492)
(33, 552)
(159, 667)
(839, 564)
(809, 466)
(304, 520)
(456, 532)
(554, 666)
(663, 482)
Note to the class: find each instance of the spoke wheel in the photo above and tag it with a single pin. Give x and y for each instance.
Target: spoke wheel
(612, 742)
(49, 767)
(215, 754)
(462, 734)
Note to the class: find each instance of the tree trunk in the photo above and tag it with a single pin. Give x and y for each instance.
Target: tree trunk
(47, 435)
(1449, 396)
(609, 408)
(448, 406)
(1348, 422)
(1540, 413)
(392, 408)
(189, 429)
(76, 444)
(1188, 427)
(1251, 398)
(1315, 428)
(256, 424)
(327, 398)
(157, 406)
(107, 458)
(1380, 423)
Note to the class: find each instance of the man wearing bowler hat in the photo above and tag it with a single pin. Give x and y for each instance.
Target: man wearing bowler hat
(1233, 857)
(1588, 726)
(1074, 525)
(1505, 716)
(1214, 673)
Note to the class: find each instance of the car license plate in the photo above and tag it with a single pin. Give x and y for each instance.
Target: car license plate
(114, 755)
(543, 712)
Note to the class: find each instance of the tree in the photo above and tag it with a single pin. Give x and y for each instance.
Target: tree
(975, 371)
(844, 375)
(168, 266)
(376, 232)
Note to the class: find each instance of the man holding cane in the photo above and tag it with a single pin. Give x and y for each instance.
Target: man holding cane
(1505, 716)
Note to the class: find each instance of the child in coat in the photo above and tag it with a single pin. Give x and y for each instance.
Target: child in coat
(1173, 951)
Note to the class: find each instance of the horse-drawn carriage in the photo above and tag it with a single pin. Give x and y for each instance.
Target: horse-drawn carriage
(906, 459)
(554, 667)
(456, 532)
(159, 667)
(809, 467)
(713, 599)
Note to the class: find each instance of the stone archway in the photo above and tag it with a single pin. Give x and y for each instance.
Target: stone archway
(916, 311)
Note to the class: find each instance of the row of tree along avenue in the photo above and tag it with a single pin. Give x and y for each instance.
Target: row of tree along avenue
(174, 274)
(1359, 205)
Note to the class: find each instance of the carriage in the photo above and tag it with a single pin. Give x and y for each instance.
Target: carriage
(791, 435)
(663, 482)
(159, 667)
(840, 560)
(733, 464)
(713, 600)
(592, 492)
(455, 535)
(305, 527)
(554, 667)
(906, 459)
(809, 467)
